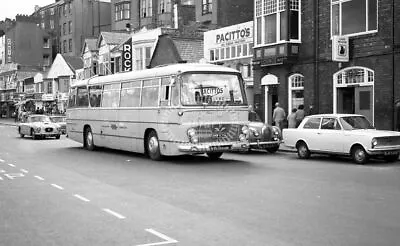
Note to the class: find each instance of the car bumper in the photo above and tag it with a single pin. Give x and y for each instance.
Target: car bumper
(264, 144)
(47, 134)
(213, 147)
(384, 150)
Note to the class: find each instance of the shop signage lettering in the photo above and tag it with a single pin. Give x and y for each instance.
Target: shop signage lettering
(210, 91)
(233, 35)
(127, 56)
(9, 50)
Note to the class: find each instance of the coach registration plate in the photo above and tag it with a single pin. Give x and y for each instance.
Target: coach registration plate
(220, 148)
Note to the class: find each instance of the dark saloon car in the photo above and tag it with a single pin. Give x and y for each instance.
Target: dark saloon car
(263, 136)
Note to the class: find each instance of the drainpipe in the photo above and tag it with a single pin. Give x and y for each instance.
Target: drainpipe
(394, 115)
(316, 57)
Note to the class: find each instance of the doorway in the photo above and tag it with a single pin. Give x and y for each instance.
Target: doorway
(356, 100)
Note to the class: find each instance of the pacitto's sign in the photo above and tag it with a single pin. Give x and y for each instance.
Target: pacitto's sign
(228, 36)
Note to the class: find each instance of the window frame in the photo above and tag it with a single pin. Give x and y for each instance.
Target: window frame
(260, 10)
(206, 7)
(340, 2)
(121, 9)
(292, 88)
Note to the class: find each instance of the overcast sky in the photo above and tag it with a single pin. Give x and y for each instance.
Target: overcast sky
(10, 8)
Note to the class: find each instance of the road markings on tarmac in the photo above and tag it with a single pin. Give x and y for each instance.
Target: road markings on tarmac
(81, 198)
(38, 177)
(11, 165)
(1, 160)
(119, 216)
(167, 239)
(57, 186)
(24, 171)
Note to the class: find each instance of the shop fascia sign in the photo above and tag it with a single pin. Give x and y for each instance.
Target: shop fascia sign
(340, 48)
(236, 34)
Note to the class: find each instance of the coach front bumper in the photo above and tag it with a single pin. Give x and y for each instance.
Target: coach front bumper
(213, 147)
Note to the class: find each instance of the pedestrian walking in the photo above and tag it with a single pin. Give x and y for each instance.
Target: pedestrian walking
(279, 116)
(292, 122)
(299, 114)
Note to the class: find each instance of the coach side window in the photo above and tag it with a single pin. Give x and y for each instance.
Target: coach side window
(110, 96)
(130, 94)
(95, 95)
(82, 100)
(72, 98)
(150, 92)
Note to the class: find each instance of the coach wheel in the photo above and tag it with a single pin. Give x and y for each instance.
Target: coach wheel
(153, 146)
(89, 143)
(214, 155)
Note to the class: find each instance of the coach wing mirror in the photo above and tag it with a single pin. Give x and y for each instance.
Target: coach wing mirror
(173, 82)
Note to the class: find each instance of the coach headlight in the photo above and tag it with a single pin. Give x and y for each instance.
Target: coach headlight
(191, 132)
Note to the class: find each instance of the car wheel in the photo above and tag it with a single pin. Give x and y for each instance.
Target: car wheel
(391, 158)
(302, 151)
(57, 136)
(34, 137)
(214, 155)
(273, 149)
(89, 142)
(359, 155)
(20, 134)
(153, 146)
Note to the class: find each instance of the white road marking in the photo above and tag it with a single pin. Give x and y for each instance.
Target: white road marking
(11, 165)
(1, 160)
(14, 175)
(24, 171)
(1, 178)
(81, 198)
(57, 186)
(38, 177)
(119, 216)
(167, 239)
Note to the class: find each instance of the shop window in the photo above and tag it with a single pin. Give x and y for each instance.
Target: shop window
(271, 21)
(296, 91)
(353, 17)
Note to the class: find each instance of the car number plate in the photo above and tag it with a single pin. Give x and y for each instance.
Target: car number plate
(391, 152)
(220, 148)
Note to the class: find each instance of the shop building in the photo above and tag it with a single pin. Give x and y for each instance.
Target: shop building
(232, 46)
(332, 56)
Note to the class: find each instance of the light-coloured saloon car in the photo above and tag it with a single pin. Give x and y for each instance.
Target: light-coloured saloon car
(39, 126)
(60, 120)
(342, 134)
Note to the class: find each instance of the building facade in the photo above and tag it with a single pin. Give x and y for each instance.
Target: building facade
(331, 56)
(136, 14)
(214, 14)
(79, 20)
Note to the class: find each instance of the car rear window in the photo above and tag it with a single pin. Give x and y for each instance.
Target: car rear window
(312, 123)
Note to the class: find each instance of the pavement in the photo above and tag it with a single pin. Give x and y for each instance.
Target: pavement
(11, 122)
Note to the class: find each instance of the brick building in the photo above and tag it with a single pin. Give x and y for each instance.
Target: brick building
(296, 57)
(79, 20)
(136, 14)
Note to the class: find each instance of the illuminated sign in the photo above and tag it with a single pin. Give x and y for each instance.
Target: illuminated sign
(127, 56)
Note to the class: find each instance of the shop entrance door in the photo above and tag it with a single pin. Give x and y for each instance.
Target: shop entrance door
(364, 101)
(345, 100)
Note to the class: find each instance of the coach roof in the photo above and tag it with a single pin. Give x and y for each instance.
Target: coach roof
(160, 71)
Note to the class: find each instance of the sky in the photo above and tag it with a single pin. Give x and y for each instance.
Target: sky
(10, 8)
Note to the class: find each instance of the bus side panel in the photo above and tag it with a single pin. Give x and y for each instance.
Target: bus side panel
(170, 131)
(128, 129)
